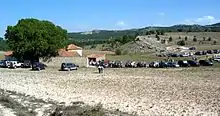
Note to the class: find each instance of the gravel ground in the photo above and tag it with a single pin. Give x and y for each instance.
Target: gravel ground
(192, 91)
(5, 111)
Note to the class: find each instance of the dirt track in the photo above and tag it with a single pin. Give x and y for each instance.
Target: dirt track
(138, 91)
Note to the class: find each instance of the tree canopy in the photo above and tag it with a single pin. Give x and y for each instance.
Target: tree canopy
(33, 39)
(3, 45)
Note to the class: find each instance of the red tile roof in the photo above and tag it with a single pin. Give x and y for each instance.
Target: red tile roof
(96, 55)
(73, 47)
(8, 53)
(64, 53)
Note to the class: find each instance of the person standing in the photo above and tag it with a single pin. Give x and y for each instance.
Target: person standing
(101, 69)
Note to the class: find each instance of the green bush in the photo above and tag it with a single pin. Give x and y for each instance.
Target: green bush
(194, 39)
(181, 43)
(214, 42)
(170, 39)
(118, 52)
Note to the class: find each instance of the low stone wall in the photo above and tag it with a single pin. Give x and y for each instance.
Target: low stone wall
(56, 62)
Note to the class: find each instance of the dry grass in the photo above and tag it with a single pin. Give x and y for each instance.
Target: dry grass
(2, 57)
(215, 36)
(190, 91)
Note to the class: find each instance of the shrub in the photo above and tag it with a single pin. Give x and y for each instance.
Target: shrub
(181, 43)
(163, 41)
(158, 38)
(209, 39)
(170, 39)
(194, 39)
(204, 38)
(186, 38)
(214, 42)
(118, 52)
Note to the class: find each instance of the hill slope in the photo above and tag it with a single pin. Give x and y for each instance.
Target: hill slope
(143, 44)
(107, 34)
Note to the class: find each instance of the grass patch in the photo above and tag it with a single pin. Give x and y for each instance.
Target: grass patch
(15, 106)
(77, 110)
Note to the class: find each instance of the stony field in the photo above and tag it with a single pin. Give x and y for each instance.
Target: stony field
(189, 91)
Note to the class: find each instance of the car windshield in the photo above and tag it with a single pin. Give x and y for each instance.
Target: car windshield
(69, 64)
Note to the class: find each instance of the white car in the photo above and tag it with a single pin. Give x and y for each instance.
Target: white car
(15, 64)
(217, 59)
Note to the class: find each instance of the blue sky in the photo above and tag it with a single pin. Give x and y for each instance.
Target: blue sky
(85, 15)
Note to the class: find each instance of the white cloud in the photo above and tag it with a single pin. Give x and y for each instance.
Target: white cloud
(121, 23)
(161, 14)
(202, 20)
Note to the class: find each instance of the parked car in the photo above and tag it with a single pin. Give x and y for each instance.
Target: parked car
(38, 66)
(184, 55)
(216, 51)
(26, 64)
(141, 64)
(15, 64)
(204, 52)
(163, 65)
(183, 63)
(1, 63)
(68, 67)
(173, 55)
(193, 63)
(154, 65)
(199, 53)
(205, 63)
(192, 48)
(210, 51)
(5, 63)
(173, 64)
(217, 59)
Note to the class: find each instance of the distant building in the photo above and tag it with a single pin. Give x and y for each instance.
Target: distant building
(8, 56)
(74, 48)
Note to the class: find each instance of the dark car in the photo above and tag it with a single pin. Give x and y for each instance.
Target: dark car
(173, 55)
(216, 51)
(141, 64)
(154, 65)
(204, 52)
(26, 64)
(210, 51)
(68, 67)
(193, 63)
(163, 65)
(4, 64)
(192, 48)
(205, 63)
(173, 64)
(199, 53)
(183, 63)
(38, 66)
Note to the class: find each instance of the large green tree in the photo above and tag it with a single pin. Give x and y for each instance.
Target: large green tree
(32, 39)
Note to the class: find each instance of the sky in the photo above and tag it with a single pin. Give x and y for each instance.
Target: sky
(86, 15)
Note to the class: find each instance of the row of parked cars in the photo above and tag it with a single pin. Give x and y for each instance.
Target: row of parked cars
(35, 65)
(205, 52)
(181, 63)
(24, 64)
(188, 54)
(155, 64)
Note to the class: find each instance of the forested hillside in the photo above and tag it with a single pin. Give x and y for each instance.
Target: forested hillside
(105, 34)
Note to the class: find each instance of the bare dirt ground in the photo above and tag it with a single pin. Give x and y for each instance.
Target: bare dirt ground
(191, 91)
